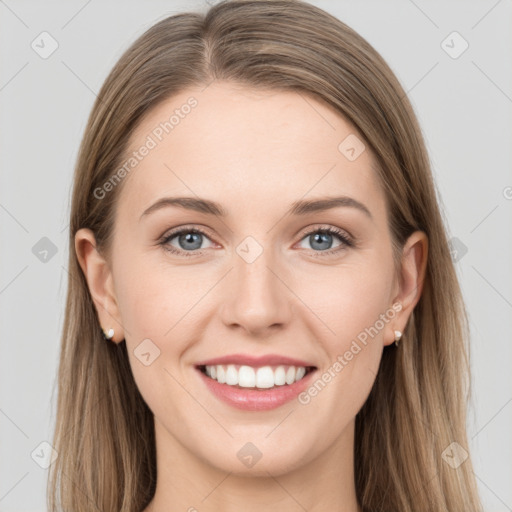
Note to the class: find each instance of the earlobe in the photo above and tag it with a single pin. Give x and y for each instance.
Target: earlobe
(100, 283)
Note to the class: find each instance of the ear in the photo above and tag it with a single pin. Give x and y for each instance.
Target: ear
(410, 281)
(99, 279)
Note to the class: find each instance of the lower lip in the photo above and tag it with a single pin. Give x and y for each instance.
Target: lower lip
(250, 399)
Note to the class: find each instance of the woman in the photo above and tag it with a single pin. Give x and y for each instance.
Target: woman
(262, 311)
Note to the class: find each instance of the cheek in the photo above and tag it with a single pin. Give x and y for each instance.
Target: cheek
(352, 304)
(151, 298)
(160, 307)
(347, 300)
(151, 303)
(140, 299)
(356, 350)
(352, 358)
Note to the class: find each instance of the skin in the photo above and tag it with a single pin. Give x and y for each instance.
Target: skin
(254, 152)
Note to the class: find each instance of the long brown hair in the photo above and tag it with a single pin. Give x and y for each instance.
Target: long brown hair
(104, 431)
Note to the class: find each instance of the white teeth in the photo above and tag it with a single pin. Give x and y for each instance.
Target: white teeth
(231, 375)
(280, 376)
(290, 375)
(221, 374)
(301, 371)
(264, 377)
(246, 377)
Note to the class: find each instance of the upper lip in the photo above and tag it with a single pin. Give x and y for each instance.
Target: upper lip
(256, 361)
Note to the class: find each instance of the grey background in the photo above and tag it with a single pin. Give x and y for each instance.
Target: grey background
(464, 105)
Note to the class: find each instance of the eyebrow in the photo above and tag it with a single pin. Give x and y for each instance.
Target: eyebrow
(302, 207)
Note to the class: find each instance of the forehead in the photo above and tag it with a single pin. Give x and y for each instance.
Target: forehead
(245, 147)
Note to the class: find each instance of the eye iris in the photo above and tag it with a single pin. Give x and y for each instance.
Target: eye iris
(321, 238)
(189, 237)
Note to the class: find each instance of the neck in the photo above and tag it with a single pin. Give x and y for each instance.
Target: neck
(188, 483)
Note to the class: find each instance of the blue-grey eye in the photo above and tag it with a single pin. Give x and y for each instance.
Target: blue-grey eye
(322, 239)
(187, 240)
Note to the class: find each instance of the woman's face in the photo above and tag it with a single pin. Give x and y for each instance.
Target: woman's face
(262, 279)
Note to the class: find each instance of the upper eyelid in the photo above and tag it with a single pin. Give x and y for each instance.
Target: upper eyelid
(199, 227)
(178, 230)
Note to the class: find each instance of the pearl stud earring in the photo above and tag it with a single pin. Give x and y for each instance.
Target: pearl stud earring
(108, 335)
(398, 335)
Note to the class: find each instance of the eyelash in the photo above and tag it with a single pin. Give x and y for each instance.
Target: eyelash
(347, 242)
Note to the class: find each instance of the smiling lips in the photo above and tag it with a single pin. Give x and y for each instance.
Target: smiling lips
(255, 383)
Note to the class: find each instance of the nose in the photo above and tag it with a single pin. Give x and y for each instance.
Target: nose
(257, 299)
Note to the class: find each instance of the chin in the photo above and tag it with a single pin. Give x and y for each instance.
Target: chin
(259, 459)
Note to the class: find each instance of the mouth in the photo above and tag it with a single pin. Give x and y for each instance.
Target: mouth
(251, 388)
(266, 377)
